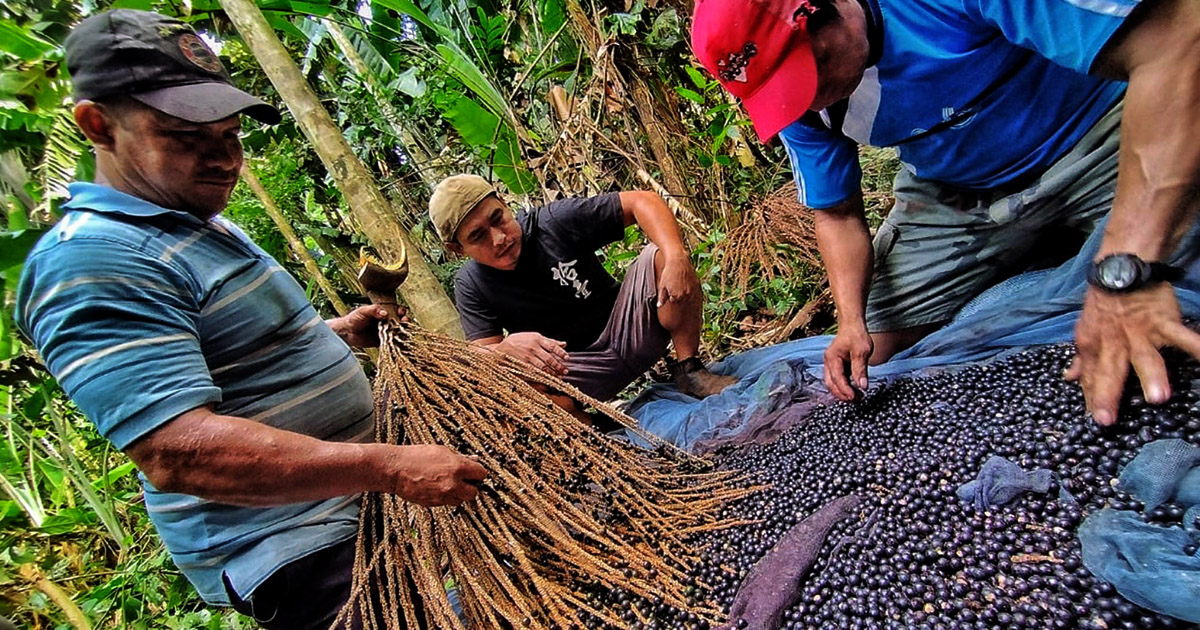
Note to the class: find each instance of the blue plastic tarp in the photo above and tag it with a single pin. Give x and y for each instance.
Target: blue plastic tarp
(1153, 566)
(779, 383)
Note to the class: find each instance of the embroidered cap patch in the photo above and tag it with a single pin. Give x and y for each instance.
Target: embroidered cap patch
(195, 50)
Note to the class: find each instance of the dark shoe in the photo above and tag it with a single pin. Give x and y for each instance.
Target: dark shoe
(694, 379)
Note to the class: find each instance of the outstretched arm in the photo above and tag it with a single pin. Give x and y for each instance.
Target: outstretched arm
(242, 462)
(845, 245)
(1156, 203)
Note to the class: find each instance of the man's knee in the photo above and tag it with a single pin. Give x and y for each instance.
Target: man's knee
(890, 343)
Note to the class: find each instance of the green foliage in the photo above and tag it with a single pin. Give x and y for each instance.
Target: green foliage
(286, 181)
(410, 9)
(488, 34)
(73, 514)
(22, 43)
(494, 143)
(15, 246)
(552, 14)
(35, 127)
(666, 31)
(625, 23)
(720, 120)
(763, 299)
(294, 177)
(450, 67)
(461, 67)
(408, 83)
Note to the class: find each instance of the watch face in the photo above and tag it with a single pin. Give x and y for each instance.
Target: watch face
(1117, 273)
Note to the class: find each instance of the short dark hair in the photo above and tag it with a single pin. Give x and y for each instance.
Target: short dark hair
(120, 107)
(822, 14)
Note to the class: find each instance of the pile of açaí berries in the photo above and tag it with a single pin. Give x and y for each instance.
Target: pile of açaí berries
(915, 555)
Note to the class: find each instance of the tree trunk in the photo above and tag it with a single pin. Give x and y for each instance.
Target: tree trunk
(637, 94)
(424, 295)
(429, 172)
(656, 136)
(298, 248)
(344, 259)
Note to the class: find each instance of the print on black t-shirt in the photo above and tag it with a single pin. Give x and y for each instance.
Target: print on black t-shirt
(558, 288)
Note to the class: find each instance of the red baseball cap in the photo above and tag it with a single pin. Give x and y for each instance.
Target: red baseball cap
(759, 50)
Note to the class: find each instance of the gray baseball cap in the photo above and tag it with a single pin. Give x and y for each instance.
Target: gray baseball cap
(159, 61)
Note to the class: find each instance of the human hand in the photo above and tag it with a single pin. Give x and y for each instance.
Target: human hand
(846, 362)
(544, 353)
(1117, 330)
(678, 281)
(431, 475)
(360, 327)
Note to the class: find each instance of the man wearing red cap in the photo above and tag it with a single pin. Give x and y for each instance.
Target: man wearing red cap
(1007, 117)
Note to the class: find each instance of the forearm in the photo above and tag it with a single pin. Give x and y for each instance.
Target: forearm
(656, 221)
(340, 328)
(1156, 202)
(242, 462)
(359, 328)
(1159, 161)
(845, 245)
(488, 342)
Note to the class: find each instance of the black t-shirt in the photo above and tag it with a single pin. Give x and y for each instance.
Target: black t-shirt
(558, 288)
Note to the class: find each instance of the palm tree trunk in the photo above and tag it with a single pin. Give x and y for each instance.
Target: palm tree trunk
(426, 169)
(656, 136)
(298, 248)
(430, 305)
(635, 92)
(346, 261)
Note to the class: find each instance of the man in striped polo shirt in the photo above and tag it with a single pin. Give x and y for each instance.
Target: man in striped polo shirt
(195, 353)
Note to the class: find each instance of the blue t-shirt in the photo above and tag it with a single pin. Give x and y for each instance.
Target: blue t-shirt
(559, 288)
(974, 94)
(144, 313)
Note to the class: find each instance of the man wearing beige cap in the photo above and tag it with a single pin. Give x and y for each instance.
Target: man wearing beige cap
(535, 289)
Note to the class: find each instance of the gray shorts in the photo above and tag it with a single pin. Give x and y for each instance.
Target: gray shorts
(632, 341)
(940, 247)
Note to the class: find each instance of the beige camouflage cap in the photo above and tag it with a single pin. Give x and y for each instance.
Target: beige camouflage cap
(453, 199)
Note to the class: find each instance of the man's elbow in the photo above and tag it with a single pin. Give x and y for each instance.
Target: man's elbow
(639, 197)
(648, 200)
(838, 216)
(167, 456)
(161, 470)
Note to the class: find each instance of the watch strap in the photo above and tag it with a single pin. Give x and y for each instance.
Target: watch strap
(1162, 272)
(1147, 273)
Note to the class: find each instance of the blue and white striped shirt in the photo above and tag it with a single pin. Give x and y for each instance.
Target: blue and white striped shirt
(144, 313)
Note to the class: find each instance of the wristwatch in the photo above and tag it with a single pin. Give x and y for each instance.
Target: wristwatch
(1123, 273)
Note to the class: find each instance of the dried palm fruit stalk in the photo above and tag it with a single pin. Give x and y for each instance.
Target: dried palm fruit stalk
(752, 249)
(566, 512)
